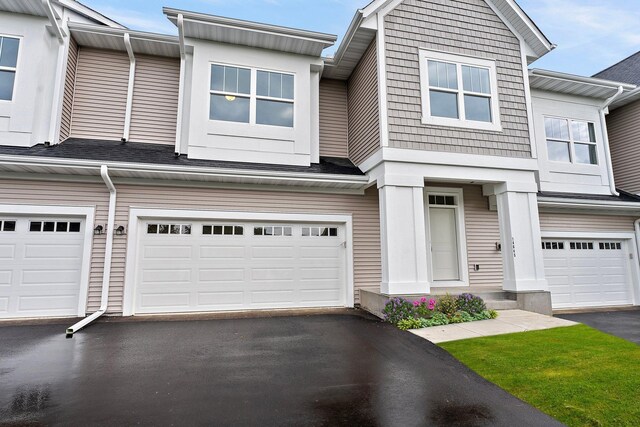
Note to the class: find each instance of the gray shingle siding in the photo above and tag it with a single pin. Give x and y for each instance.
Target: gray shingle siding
(468, 27)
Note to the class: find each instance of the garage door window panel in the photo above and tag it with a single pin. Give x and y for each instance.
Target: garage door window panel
(584, 246)
(273, 231)
(319, 231)
(175, 229)
(223, 230)
(54, 227)
(7, 226)
(553, 245)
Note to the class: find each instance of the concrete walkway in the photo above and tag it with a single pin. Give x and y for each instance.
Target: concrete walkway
(508, 322)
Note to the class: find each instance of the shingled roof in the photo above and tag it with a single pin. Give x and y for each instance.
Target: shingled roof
(626, 71)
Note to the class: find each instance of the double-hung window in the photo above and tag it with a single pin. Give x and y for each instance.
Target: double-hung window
(8, 63)
(252, 96)
(571, 141)
(459, 91)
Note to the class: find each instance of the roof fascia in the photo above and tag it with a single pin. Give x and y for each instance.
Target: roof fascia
(87, 12)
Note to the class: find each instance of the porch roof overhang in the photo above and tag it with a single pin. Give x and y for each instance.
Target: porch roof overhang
(625, 204)
(569, 84)
(34, 165)
(102, 37)
(248, 33)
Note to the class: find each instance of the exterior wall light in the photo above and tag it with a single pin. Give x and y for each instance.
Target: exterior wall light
(99, 230)
(120, 231)
(498, 246)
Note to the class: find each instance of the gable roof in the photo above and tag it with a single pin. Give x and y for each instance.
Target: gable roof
(627, 70)
(359, 35)
(570, 84)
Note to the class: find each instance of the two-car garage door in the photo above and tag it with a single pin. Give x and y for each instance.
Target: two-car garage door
(197, 266)
(588, 272)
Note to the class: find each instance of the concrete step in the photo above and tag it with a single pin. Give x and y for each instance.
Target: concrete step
(504, 304)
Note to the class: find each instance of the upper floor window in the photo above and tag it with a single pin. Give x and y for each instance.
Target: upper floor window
(459, 91)
(571, 141)
(235, 98)
(8, 63)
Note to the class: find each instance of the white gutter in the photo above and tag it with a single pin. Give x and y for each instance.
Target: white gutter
(192, 172)
(181, 84)
(132, 77)
(547, 202)
(604, 109)
(106, 275)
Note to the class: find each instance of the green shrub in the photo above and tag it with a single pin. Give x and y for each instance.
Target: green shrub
(438, 319)
(398, 309)
(471, 304)
(462, 317)
(485, 315)
(447, 305)
(406, 324)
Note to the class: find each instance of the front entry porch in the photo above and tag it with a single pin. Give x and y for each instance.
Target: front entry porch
(460, 229)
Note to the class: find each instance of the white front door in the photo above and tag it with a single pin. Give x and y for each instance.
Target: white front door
(197, 266)
(444, 244)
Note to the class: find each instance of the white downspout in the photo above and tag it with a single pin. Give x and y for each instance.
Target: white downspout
(108, 250)
(604, 109)
(130, 87)
(182, 83)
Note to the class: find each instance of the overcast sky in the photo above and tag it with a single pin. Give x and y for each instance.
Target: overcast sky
(591, 34)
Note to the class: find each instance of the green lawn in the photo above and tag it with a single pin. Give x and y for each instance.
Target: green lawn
(578, 375)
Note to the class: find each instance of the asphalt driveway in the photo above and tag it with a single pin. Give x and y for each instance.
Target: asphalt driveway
(624, 324)
(323, 370)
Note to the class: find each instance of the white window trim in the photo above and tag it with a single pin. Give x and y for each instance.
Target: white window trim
(13, 69)
(463, 267)
(458, 60)
(138, 215)
(572, 142)
(252, 95)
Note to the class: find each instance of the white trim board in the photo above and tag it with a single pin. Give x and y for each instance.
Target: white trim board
(137, 214)
(86, 212)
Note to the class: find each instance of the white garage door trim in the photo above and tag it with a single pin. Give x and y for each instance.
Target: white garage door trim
(137, 214)
(83, 212)
(628, 238)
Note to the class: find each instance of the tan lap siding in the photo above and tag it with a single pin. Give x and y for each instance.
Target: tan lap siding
(100, 100)
(591, 223)
(467, 27)
(364, 130)
(155, 100)
(69, 88)
(333, 118)
(483, 232)
(624, 135)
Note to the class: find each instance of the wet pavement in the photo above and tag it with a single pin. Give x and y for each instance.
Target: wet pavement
(325, 370)
(623, 324)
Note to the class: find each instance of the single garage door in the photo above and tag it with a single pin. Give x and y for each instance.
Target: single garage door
(40, 266)
(196, 266)
(588, 273)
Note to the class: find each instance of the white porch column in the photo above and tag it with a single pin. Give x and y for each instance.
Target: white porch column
(403, 238)
(520, 236)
